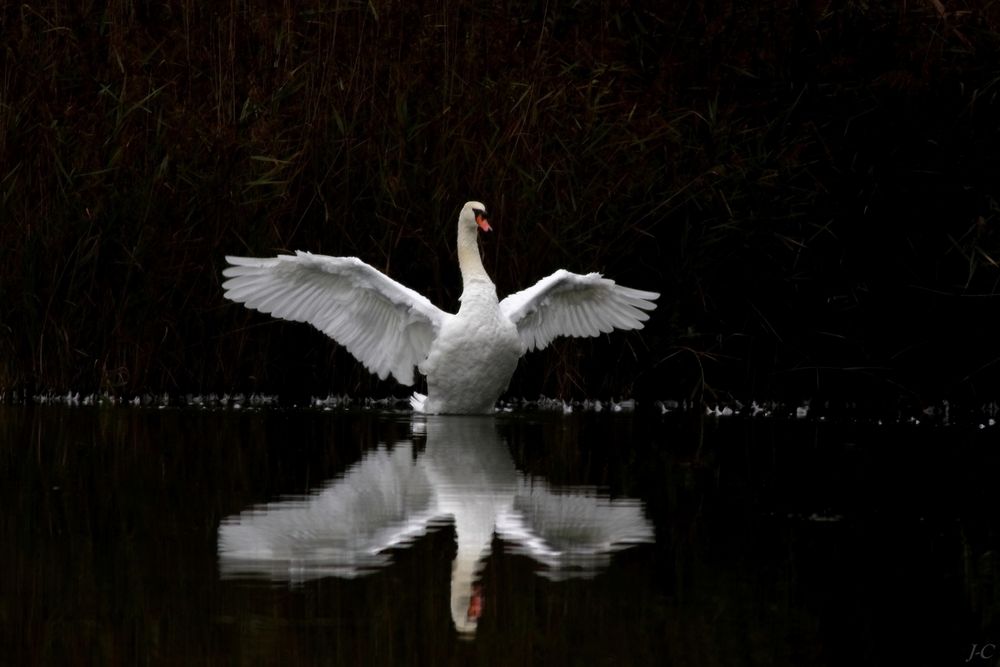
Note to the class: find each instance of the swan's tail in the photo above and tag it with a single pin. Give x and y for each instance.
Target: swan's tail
(417, 402)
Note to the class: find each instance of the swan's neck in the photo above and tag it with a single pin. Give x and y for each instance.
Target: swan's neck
(469, 261)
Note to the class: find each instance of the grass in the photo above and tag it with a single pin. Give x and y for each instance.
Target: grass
(809, 188)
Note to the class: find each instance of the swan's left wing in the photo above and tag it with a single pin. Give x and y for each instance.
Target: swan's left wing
(571, 304)
(386, 326)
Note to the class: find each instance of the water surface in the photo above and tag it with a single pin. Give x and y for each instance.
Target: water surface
(183, 536)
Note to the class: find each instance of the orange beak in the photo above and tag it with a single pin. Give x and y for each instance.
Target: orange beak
(483, 223)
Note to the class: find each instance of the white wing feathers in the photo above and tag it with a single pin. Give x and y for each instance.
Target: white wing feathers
(388, 327)
(570, 304)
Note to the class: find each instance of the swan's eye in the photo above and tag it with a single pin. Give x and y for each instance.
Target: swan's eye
(479, 213)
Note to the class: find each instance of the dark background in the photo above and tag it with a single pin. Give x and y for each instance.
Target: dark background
(812, 186)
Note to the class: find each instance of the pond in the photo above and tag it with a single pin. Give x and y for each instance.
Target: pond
(307, 536)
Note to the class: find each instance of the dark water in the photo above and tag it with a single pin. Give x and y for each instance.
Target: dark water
(144, 536)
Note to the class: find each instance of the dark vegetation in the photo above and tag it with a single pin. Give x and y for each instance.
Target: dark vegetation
(812, 186)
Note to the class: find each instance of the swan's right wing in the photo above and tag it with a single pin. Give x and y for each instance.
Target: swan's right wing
(571, 304)
(388, 327)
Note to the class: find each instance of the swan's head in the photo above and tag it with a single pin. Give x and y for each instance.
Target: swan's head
(474, 213)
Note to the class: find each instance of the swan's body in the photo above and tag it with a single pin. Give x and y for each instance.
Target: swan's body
(468, 357)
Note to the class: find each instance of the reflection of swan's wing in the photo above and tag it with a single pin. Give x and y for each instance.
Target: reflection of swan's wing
(343, 530)
(572, 533)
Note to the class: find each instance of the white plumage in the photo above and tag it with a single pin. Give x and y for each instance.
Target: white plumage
(468, 357)
(570, 304)
(387, 327)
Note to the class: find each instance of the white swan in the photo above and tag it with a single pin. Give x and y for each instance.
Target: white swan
(468, 357)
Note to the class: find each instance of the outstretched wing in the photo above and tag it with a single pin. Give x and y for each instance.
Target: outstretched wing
(388, 327)
(570, 304)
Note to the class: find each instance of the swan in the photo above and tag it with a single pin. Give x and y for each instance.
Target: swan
(467, 357)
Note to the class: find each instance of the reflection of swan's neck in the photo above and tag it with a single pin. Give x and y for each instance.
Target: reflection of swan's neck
(466, 592)
(473, 475)
(475, 518)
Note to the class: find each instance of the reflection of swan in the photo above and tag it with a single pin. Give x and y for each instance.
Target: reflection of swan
(389, 498)
(468, 357)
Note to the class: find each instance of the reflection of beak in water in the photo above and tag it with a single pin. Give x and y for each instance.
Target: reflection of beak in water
(391, 497)
(475, 603)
